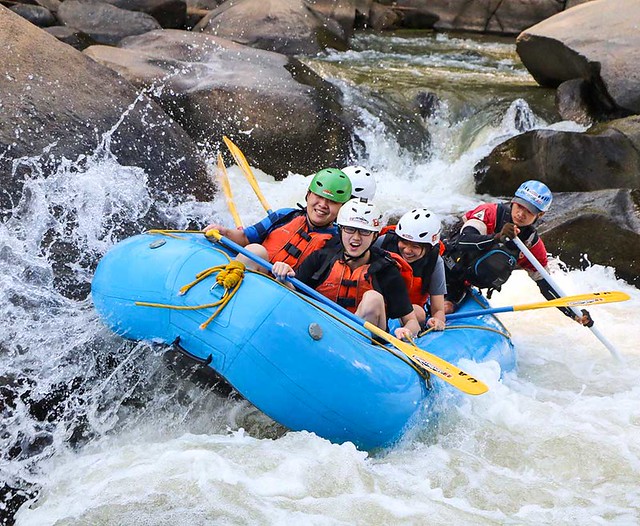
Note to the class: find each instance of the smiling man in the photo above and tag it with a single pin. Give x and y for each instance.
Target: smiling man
(356, 275)
(483, 255)
(291, 234)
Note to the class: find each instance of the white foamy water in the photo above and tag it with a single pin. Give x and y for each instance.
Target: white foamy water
(555, 442)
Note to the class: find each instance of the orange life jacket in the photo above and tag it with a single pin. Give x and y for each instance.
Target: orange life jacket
(292, 242)
(344, 286)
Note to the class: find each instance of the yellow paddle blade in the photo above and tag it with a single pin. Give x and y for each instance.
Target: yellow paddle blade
(579, 300)
(433, 364)
(226, 188)
(241, 161)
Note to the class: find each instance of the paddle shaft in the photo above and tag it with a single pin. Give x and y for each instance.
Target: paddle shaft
(226, 188)
(430, 362)
(580, 300)
(532, 259)
(243, 164)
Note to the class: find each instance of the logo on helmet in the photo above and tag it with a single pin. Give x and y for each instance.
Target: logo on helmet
(534, 196)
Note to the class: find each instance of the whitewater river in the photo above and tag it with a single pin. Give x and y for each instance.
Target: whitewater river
(101, 432)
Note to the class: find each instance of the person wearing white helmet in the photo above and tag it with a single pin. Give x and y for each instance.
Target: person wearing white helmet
(416, 239)
(356, 275)
(483, 255)
(363, 183)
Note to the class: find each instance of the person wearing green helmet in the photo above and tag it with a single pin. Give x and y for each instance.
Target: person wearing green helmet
(291, 234)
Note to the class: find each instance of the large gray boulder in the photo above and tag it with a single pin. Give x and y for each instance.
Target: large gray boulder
(57, 100)
(596, 227)
(344, 12)
(57, 104)
(598, 42)
(105, 23)
(606, 156)
(282, 115)
(290, 27)
(493, 16)
(36, 14)
(169, 13)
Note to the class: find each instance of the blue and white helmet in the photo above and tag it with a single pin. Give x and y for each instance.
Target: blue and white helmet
(534, 196)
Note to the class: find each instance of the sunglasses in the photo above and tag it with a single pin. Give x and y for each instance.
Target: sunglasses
(353, 230)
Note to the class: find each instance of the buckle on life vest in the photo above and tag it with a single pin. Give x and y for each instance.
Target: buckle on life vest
(293, 250)
(304, 235)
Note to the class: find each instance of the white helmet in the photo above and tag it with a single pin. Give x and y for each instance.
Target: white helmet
(359, 213)
(419, 226)
(363, 183)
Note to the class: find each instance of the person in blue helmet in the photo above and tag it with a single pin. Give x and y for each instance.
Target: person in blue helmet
(483, 255)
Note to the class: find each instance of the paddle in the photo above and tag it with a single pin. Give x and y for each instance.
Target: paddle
(226, 187)
(581, 300)
(527, 253)
(427, 361)
(241, 161)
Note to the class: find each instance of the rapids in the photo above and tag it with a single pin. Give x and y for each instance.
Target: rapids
(97, 430)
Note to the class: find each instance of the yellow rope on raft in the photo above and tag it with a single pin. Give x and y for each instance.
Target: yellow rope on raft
(229, 276)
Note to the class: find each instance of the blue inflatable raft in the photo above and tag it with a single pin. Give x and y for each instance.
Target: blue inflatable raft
(297, 360)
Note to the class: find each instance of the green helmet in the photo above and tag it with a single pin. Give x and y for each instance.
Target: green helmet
(333, 184)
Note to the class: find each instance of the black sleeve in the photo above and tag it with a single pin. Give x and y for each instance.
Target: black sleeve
(471, 239)
(308, 268)
(394, 291)
(550, 294)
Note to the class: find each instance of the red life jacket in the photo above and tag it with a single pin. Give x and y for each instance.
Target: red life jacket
(292, 242)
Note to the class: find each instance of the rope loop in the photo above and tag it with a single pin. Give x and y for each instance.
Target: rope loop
(231, 275)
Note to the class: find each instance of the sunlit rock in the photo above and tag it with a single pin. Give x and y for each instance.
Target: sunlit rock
(598, 42)
(103, 22)
(282, 115)
(290, 27)
(478, 15)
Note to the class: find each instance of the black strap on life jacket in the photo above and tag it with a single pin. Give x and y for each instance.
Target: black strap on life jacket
(331, 252)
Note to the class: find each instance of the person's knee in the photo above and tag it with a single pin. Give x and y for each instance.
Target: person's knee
(257, 250)
(371, 305)
(449, 307)
(372, 297)
(420, 313)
